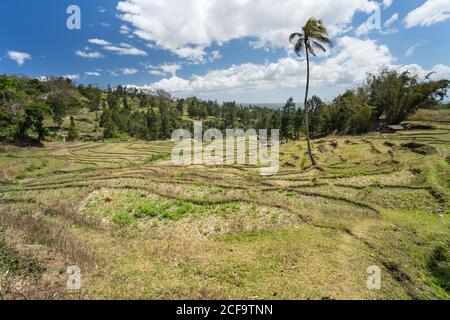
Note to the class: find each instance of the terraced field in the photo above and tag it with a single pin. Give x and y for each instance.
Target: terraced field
(140, 227)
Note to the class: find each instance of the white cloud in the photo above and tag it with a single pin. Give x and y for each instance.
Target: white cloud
(195, 54)
(156, 73)
(391, 20)
(129, 71)
(99, 42)
(439, 71)
(351, 60)
(72, 76)
(126, 51)
(364, 28)
(387, 3)
(92, 74)
(215, 55)
(43, 78)
(112, 73)
(187, 28)
(170, 68)
(124, 29)
(388, 31)
(411, 50)
(19, 57)
(89, 55)
(164, 69)
(431, 12)
(123, 49)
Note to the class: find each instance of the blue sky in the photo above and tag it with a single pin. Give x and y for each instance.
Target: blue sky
(225, 50)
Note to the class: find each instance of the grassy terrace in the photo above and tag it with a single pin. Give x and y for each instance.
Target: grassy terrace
(142, 228)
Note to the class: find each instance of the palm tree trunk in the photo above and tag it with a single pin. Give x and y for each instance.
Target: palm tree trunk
(306, 108)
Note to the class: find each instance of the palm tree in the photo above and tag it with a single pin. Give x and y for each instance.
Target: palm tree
(313, 37)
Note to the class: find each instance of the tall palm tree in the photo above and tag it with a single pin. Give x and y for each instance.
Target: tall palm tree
(313, 37)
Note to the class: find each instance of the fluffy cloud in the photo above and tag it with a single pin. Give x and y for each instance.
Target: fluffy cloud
(186, 28)
(126, 51)
(348, 65)
(431, 12)
(170, 68)
(72, 77)
(364, 28)
(124, 29)
(99, 42)
(387, 3)
(439, 71)
(129, 71)
(123, 49)
(89, 55)
(391, 20)
(19, 57)
(164, 69)
(92, 74)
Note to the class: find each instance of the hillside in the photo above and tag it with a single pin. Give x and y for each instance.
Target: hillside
(140, 227)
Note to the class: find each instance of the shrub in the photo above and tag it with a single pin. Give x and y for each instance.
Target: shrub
(72, 133)
(151, 209)
(397, 95)
(124, 219)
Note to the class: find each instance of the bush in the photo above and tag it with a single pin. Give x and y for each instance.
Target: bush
(72, 133)
(124, 219)
(397, 95)
(152, 210)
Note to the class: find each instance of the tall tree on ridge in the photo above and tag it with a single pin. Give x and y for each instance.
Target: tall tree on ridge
(313, 37)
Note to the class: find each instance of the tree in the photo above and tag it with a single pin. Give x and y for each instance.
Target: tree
(313, 37)
(6, 83)
(153, 125)
(112, 99)
(94, 95)
(7, 94)
(34, 117)
(396, 95)
(180, 107)
(73, 132)
(287, 120)
(165, 121)
(126, 106)
(315, 109)
(106, 122)
(299, 119)
(59, 102)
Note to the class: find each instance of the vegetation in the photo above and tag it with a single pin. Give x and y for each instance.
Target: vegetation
(396, 95)
(72, 132)
(28, 108)
(142, 228)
